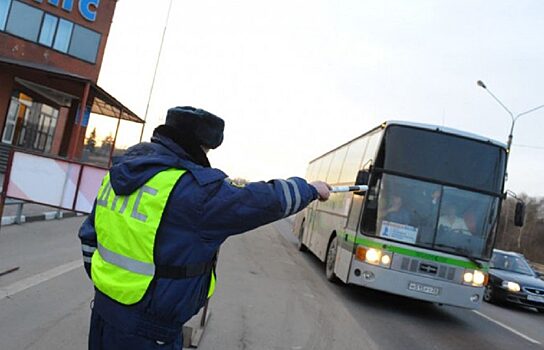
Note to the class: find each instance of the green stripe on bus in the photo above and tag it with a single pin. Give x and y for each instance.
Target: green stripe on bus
(413, 253)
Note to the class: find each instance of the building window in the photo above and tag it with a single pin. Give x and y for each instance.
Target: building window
(11, 120)
(35, 25)
(84, 44)
(64, 33)
(38, 127)
(4, 8)
(24, 21)
(46, 128)
(47, 34)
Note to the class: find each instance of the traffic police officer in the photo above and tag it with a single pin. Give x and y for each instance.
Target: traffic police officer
(161, 213)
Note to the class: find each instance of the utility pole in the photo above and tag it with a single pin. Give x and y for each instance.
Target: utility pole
(156, 68)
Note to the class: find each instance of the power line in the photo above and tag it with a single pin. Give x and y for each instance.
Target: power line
(529, 146)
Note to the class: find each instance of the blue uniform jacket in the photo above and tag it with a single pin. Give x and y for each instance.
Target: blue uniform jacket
(202, 212)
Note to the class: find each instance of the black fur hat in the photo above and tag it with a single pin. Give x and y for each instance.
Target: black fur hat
(202, 126)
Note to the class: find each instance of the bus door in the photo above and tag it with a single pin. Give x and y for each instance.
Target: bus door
(311, 225)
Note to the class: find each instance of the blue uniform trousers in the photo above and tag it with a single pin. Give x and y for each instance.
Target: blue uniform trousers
(104, 336)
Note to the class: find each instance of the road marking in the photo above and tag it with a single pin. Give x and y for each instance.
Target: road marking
(32, 281)
(507, 327)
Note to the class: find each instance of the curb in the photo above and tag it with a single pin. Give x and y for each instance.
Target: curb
(49, 215)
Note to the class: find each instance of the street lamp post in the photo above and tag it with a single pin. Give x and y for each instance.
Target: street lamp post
(509, 144)
(514, 118)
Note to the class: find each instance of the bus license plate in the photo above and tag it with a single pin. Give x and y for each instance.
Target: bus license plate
(423, 288)
(535, 298)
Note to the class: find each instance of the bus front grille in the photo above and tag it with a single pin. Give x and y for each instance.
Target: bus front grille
(436, 270)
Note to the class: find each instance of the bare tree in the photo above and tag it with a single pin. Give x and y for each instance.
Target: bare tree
(529, 239)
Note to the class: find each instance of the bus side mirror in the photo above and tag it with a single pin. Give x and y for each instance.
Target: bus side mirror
(519, 215)
(363, 177)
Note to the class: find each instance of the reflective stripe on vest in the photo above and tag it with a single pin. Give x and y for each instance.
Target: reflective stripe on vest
(211, 290)
(126, 226)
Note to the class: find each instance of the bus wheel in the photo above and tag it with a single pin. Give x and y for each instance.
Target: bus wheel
(330, 261)
(301, 246)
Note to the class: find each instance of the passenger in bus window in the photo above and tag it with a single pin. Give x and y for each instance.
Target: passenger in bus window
(471, 221)
(450, 220)
(397, 212)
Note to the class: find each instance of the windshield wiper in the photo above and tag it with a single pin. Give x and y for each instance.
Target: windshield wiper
(462, 252)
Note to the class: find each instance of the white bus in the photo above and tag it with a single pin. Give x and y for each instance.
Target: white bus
(426, 226)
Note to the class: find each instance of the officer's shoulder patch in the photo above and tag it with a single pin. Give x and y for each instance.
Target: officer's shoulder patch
(237, 182)
(238, 185)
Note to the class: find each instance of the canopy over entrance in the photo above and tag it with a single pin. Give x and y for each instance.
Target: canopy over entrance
(100, 100)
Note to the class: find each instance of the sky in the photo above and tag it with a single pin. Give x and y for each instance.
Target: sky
(295, 78)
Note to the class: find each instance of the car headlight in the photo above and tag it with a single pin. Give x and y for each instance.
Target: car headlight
(511, 286)
(475, 278)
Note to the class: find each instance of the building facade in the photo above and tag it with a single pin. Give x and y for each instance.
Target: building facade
(51, 52)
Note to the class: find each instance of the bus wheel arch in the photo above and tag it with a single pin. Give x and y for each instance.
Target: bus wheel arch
(330, 258)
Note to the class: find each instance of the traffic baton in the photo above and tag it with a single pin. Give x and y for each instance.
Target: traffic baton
(349, 189)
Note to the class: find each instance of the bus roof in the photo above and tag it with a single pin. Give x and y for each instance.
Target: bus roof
(447, 130)
(443, 129)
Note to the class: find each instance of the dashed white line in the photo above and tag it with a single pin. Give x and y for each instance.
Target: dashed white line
(32, 281)
(507, 327)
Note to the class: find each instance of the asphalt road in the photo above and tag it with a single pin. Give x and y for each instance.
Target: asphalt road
(396, 322)
(45, 304)
(288, 304)
(269, 296)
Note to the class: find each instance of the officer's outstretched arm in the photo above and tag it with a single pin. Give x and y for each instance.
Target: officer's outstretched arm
(231, 210)
(87, 235)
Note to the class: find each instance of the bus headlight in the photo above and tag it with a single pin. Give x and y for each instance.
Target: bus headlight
(468, 277)
(373, 256)
(479, 278)
(475, 278)
(511, 286)
(386, 260)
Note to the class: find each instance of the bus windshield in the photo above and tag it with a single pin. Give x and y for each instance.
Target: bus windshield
(436, 190)
(436, 216)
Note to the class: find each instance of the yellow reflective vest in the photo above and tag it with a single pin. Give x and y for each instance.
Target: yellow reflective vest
(126, 226)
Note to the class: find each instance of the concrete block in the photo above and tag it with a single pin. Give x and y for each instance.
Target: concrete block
(194, 329)
(8, 220)
(11, 220)
(50, 215)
